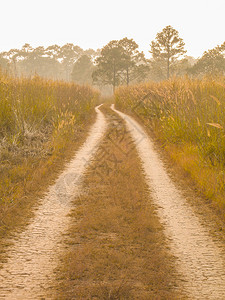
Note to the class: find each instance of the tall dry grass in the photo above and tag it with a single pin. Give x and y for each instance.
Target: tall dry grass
(39, 119)
(188, 115)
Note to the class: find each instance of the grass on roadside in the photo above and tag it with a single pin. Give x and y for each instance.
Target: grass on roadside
(187, 116)
(42, 122)
(116, 248)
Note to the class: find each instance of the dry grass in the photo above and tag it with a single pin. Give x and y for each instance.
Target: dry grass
(41, 125)
(116, 246)
(188, 118)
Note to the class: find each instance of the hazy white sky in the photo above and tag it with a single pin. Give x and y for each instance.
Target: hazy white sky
(93, 23)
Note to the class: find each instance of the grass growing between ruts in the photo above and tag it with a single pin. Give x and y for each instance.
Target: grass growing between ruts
(42, 122)
(116, 247)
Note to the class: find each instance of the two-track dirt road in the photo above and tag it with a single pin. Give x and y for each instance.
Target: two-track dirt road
(200, 260)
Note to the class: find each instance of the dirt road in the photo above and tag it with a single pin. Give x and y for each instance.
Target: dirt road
(200, 260)
(29, 271)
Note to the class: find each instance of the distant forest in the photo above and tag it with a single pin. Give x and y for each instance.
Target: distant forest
(117, 63)
(53, 62)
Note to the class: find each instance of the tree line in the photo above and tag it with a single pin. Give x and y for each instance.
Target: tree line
(120, 62)
(53, 62)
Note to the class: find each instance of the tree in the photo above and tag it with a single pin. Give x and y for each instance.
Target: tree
(4, 62)
(166, 49)
(109, 65)
(53, 51)
(93, 54)
(212, 62)
(13, 55)
(181, 67)
(133, 61)
(68, 55)
(82, 70)
(33, 60)
(27, 48)
(120, 62)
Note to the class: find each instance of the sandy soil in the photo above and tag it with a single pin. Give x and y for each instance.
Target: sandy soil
(28, 272)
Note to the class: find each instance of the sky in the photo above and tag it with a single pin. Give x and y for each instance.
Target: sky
(94, 23)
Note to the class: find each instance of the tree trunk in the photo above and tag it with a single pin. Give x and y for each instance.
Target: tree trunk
(128, 79)
(168, 68)
(14, 68)
(114, 76)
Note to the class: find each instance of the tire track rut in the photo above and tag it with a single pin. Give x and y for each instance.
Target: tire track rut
(200, 259)
(28, 272)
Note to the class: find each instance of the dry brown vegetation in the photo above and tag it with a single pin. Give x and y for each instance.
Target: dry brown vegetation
(116, 248)
(42, 123)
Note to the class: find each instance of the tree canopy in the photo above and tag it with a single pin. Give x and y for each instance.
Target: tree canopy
(82, 70)
(212, 62)
(134, 62)
(166, 49)
(120, 62)
(52, 62)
